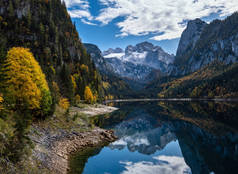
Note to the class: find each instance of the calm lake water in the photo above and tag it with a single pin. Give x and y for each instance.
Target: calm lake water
(164, 138)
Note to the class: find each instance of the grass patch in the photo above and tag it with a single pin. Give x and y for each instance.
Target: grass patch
(69, 120)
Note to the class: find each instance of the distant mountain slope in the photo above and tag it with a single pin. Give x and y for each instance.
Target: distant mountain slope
(215, 80)
(98, 59)
(45, 27)
(113, 85)
(203, 43)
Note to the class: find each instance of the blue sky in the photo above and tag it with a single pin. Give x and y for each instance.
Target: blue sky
(118, 23)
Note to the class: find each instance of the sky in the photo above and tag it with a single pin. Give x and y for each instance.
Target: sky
(119, 23)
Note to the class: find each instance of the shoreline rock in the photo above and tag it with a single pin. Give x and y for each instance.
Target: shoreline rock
(54, 150)
(54, 146)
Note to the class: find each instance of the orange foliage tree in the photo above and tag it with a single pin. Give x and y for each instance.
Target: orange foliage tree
(25, 84)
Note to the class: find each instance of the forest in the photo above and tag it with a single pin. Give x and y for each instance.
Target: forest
(43, 65)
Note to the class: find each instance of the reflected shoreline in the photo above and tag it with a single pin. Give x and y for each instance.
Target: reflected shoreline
(173, 99)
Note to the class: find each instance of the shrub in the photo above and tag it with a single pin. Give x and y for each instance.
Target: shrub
(55, 92)
(77, 99)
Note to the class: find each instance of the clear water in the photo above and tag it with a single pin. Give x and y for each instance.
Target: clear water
(154, 138)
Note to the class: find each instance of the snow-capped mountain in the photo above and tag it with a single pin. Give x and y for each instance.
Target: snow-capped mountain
(128, 69)
(137, 62)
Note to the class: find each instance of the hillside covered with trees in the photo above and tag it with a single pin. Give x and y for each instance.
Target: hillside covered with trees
(46, 29)
(43, 65)
(215, 80)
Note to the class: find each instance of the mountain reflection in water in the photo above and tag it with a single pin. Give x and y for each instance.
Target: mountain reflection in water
(160, 137)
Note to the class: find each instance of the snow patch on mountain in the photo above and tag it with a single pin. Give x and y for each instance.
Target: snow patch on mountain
(115, 55)
(135, 57)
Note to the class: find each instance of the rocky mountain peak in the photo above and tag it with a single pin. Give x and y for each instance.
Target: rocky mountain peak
(130, 49)
(118, 50)
(111, 50)
(195, 22)
(190, 36)
(144, 46)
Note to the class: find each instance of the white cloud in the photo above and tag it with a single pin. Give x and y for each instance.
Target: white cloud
(164, 164)
(164, 18)
(135, 140)
(87, 22)
(77, 3)
(80, 9)
(80, 14)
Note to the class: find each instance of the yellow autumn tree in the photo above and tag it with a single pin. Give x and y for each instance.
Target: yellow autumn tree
(84, 68)
(64, 103)
(74, 82)
(1, 101)
(26, 84)
(88, 95)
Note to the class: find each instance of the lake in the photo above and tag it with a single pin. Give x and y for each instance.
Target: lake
(165, 137)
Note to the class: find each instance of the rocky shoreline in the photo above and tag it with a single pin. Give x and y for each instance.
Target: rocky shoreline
(54, 148)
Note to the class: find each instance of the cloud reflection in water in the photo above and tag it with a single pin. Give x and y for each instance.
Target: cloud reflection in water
(162, 165)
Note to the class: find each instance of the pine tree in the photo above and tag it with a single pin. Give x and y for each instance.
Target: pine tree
(29, 18)
(68, 88)
(10, 9)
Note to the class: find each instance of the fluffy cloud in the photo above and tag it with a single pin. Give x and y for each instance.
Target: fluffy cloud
(73, 3)
(164, 164)
(77, 13)
(163, 18)
(80, 9)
